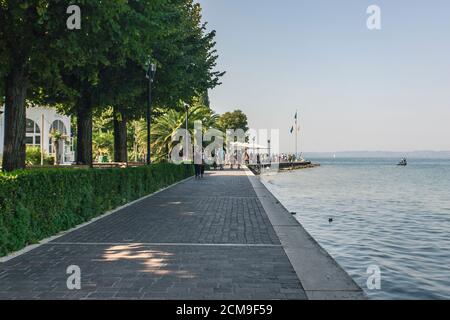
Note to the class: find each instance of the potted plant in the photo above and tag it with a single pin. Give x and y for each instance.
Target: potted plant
(57, 138)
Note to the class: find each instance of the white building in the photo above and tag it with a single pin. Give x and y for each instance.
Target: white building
(41, 121)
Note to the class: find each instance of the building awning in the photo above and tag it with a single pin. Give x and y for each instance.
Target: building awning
(247, 145)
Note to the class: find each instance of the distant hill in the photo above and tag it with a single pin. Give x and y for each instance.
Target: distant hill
(381, 154)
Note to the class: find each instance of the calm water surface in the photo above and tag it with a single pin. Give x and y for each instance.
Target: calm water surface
(397, 218)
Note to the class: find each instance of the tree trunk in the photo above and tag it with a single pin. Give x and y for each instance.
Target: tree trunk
(84, 132)
(14, 150)
(120, 137)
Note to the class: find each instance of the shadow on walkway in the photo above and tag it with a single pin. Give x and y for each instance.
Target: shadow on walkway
(201, 239)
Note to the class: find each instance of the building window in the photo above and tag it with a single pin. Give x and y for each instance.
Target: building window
(33, 133)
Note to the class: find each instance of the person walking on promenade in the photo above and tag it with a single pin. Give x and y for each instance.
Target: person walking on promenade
(202, 166)
(198, 159)
(247, 158)
(220, 158)
(238, 159)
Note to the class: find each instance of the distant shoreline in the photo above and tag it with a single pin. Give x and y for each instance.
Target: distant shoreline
(380, 154)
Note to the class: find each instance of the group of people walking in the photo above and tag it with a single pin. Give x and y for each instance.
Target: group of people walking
(233, 160)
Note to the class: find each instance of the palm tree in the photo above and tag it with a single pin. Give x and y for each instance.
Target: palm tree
(167, 124)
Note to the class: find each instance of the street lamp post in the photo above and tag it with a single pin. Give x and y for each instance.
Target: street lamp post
(186, 142)
(150, 76)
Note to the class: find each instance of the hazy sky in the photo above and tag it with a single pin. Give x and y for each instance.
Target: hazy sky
(355, 89)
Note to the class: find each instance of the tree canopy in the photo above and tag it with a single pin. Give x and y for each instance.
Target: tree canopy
(100, 65)
(233, 120)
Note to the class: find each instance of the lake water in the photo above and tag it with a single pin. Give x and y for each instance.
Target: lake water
(397, 218)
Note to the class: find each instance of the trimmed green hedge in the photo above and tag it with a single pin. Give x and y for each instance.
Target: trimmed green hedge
(35, 204)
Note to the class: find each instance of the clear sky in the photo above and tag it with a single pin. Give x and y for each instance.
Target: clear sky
(355, 89)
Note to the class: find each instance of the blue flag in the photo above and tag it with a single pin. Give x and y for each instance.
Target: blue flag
(292, 129)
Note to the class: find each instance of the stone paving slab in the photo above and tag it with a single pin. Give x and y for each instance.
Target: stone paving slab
(201, 239)
(174, 219)
(135, 271)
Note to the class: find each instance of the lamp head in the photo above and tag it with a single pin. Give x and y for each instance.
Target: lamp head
(151, 72)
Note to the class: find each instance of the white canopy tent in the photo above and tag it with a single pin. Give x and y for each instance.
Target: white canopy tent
(246, 145)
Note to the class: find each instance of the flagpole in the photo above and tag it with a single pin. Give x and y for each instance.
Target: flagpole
(299, 139)
(296, 132)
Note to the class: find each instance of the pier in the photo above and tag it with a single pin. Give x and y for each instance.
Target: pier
(281, 166)
(221, 237)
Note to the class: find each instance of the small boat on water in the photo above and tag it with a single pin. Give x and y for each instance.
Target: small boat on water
(403, 162)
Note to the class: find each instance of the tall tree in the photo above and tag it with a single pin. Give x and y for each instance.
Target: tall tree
(35, 44)
(108, 43)
(123, 85)
(102, 64)
(233, 120)
(124, 88)
(22, 41)
(177, 41)
(186, 54)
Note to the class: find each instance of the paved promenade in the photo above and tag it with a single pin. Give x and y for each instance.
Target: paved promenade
(201, 239)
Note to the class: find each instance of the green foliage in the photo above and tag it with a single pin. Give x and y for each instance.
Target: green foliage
(137, 140)
(185, 54)
(103, 144)
(177, 42)
(35, 204)
(168, 123)
(33, 157)
(233, 120)
(104, 63)
(102, 135)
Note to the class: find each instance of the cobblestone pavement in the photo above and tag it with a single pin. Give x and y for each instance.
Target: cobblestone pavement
(201, 239)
